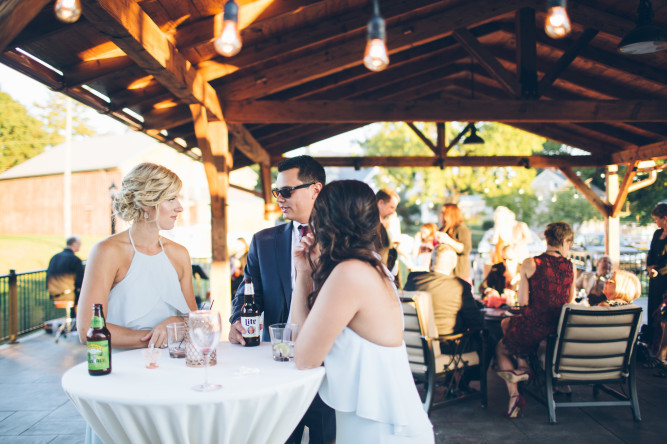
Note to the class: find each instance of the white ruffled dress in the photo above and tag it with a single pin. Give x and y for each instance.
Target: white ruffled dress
(373, 392)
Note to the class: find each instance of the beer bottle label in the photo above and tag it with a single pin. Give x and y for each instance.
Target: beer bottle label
(98, 355)
(251, 325)
(96, 322)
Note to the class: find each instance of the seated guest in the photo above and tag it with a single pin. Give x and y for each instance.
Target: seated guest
(423, 246)
(454, 308)
(142, 280)
(593, 283)
(547, 283)
(502, 275)
(622, 288)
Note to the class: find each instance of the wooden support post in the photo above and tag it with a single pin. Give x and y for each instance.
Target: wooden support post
(13, 307)
(612, 226)
(212, 138)
(441, 140)
(265, 171)
(624, 190)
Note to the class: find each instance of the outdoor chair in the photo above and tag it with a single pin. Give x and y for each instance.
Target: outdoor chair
(592, 346)
(66, 302)
(430, 367)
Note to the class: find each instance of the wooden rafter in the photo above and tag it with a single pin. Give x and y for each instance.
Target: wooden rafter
(322, 111)
(92, 70)
(588, 193)
(277, 77)
(565, 60)
(423, 137)
(14, 16)
(656, 150)
(459, 161)
(481, 53)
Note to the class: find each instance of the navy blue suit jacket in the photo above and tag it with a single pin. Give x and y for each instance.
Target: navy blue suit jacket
(269, 265)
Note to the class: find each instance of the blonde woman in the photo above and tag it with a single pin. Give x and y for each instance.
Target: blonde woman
(143, 280)
(622, 288)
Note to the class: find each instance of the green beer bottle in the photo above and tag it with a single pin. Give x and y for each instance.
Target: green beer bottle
(98, 341)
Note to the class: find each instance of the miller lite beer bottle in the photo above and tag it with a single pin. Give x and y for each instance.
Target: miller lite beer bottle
(250, 315)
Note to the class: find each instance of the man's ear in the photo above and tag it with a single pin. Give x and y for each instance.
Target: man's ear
(317, 187)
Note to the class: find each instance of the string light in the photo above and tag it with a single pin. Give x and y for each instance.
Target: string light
(68, 11)
(557, 25)
(375, 56)
(228, 43)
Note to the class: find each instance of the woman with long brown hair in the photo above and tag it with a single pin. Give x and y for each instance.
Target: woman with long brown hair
(350, 319)
(455, 233)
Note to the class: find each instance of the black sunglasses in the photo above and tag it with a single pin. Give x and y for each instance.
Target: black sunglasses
(286, 192)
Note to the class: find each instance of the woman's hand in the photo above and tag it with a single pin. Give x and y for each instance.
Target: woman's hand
(301, 251)
(158, 336)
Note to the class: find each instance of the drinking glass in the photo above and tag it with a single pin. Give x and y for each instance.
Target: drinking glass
(204, 335)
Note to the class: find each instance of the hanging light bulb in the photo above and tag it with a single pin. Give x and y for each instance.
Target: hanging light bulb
(473, 138)
(228, 43)
(375, 56)
(68, 11)
(557, 25)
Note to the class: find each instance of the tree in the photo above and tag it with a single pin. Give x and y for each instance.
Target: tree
(569, 206)
(432, 186)
(21, 135)
(54, 114)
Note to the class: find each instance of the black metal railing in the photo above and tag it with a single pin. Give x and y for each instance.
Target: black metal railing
(24, 303)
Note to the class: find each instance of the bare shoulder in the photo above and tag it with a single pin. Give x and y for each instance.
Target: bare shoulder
(112, 246)
(528, 266)
(176, 252)
(353, 270)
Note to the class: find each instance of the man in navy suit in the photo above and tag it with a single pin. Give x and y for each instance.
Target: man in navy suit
(269, 264)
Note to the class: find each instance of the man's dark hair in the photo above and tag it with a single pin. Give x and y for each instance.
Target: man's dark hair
(385, 195)
(310, 169)
(70, 240)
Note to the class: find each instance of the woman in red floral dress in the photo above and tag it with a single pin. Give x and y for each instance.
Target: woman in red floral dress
(547, 283)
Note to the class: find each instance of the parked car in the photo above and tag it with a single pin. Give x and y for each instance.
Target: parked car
(588, 247)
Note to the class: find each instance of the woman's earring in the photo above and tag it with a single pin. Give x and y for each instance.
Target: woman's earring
(146, 215)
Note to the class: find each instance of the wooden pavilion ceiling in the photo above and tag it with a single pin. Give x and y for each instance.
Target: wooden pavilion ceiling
(300, 78)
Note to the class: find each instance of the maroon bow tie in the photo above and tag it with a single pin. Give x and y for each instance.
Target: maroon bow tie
(303, 230)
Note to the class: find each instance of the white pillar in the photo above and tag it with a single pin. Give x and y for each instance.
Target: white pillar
(67, 183)
(612, 228)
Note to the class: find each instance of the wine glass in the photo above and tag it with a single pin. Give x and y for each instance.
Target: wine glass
(204, 335)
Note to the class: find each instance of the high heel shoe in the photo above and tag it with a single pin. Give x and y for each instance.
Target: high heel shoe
(515, 376)
(516, 408)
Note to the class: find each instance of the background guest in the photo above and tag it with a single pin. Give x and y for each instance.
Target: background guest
(453, 232)
(593, 283)
(547, 283)
(423, 246)
(143, 280)
(656, 264)
(64, 275)
(622, 288)
(502, 275)
(350, 319)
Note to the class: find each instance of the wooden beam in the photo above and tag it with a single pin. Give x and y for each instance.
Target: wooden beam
(624, 189)
(423, 137)
(656, 150)
(133, 31)
(246, 190)
(565, 60)
(312, 65)
(244, 141)
(526, 52)
(461, 161)
(486, 58)
(440, 138)
(14, 16)
(265, 175)
(583, 188)
(359, 111)
(89, 71)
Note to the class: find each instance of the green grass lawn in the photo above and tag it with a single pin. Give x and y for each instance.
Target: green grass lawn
(33, 252)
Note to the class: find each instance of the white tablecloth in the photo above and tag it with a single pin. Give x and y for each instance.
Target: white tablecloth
(138, 405)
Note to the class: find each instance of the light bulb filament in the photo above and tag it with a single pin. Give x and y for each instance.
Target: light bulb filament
(68, 11)
(375, 56)
(557, 24)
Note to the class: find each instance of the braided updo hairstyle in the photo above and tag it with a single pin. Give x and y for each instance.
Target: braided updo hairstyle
(146, 186)
(345, 222)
